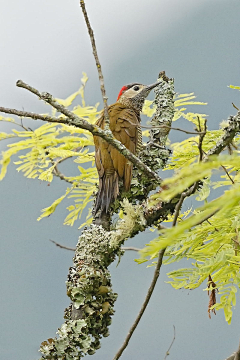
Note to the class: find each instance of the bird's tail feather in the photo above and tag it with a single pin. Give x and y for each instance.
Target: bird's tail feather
(107, 193)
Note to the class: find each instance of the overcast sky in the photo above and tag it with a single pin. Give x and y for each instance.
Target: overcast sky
(45, 43)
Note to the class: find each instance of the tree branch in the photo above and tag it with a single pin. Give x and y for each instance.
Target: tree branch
(235, 355)
(89, 315)
(229, 133)
(227, 173)
(130, 248)
(201, 137)
(80, 312)
(125, 248)
(174, 336)
(31, 115)
(144, 305)
(193, 188)
(58, 173)
(170, 128)
(183, 196)
(75, 120)
(62, 246)
(162, 210)
(98, 65)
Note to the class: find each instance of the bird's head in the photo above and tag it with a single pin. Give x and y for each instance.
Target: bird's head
(133, 95)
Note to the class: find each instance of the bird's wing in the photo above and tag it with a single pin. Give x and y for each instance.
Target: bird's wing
(124, 125)
(108, 178)
(111, 165)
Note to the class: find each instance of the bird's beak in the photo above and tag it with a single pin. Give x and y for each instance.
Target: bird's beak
(150, 87)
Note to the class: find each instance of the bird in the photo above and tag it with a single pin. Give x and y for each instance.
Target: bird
(124, 122)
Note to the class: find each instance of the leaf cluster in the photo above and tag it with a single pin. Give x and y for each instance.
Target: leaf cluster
(207, 235)
(41, 151)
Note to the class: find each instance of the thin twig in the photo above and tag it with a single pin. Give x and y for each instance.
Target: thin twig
(126, 248)
(98, 65)
(15, 123)
(231, 179)
(174, 336)
(131, 248)
(178, 206)
(61, 176)
(77, 121)
(58, 173)
(62, 246)
(236, 241)
(144, 305)
(201, 137)
(169, 127)
(212, 225)
(206, 217)
(193, 188)
(235, 107)
(229, 133)
(29, 114)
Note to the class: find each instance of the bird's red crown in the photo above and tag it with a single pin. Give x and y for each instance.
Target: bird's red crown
(121, 91)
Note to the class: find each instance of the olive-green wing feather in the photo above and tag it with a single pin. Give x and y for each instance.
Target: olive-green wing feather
(111, 165)
(124, 126)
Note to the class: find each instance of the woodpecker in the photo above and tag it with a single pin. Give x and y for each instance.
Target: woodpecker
(124, 118)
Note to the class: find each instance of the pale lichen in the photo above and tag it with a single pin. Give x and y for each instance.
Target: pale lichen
(89, 283)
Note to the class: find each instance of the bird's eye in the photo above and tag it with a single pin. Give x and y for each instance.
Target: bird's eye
(136, 88)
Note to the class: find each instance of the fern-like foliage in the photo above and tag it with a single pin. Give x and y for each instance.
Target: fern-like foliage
(212, 246)
(41, 151)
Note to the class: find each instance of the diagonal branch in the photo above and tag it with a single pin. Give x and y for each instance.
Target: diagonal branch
(177, 208)
(28, 114)
(229, 134)
(59, 174)
(235, 355)
(98, 65)
(125, 248)
(228, 175)
(183, 196)
(160, 212)
(174, 337)
(62, 246)
(77, 121)
(168, 127)
(144, 305)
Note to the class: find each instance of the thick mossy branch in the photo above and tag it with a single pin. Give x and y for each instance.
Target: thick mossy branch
(90, 289)
(89, 284)
(232, 128)
(74, 120)
(155, 154)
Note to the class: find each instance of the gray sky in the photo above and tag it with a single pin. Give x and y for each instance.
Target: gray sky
(45, 43)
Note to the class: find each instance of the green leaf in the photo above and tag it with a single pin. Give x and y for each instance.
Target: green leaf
(50, 209)
(234, 87)
(192, 173)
